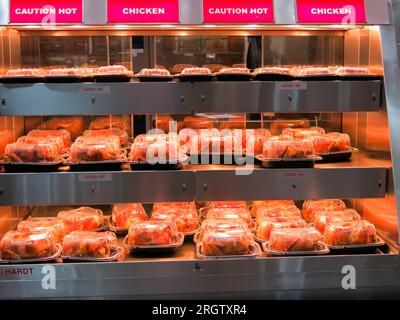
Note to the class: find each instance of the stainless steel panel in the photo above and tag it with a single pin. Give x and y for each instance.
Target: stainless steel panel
(108, 98)
(285, 11)
(94, 12)
(183, 274)
(96, 187)
(191, 11)
(377, 12)
(312, 96)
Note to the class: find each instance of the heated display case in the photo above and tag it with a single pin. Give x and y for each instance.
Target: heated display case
(75, 77)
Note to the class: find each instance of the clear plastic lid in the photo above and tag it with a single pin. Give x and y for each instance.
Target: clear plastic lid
(253, 140)
(352, 71)
(309, 71)
(42, 140)
(198, 122)
(214, 67)
(310, 207)
(331, 142)
(153, 233)
(181, 205)
(25, 73)
(74, 125)
(63, 134)
(218, 144)
(106, 122)
(221, 225)
(123, 215)
(267, 225)
(95, 149)
(189, 71)
(280, 70)
(155, 152)
(230, 214)
(235, 70)
(54, 225)
(67, 72)
(89, 244)
(277, 126)
(302, 133)
(323, 218)
(287, 149)
(156, 137)
(109, 133)
(82, 219)
(270, 204)
(278, 211)
(234, 242)
(186, 219)
(155, 72)
(113, 70)
(36, 152)
(227, 204)
(20, 245)
(295, 239)
(341, 233)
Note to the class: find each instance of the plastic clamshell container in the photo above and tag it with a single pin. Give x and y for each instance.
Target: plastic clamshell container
(352, 71)
(324, 218)
(231, 214)
(82, 219)
(278, 211)
(89, 244)
(269, 204)
(109, 133)
(113, 70)
(19, 152)
(94, 150)
(63, 134)
(118, 122)
(331, 142)
(302, 133)
(54, 225)
(159, 151)
(253, 140)
(296, 240)
(198, 123)
(74, 125)
(234, 70)
(267, 225)
(124, 215)
(287, 149)
(182, 205)
(228, 243)
(195, 71)
(187, 220)
(42, 141)
(162, 233)
(227, 204)
(154, 72)
(218, 144)
(219, 225)
(310, 207)
(277, 126)
(20, 245)
(344, 233)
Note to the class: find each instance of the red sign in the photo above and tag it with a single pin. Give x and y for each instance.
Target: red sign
(143, 11)
(331, 11)
(46, 11)
(238, 11)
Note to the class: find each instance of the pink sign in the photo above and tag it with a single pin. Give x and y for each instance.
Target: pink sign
(238, 11)
(46, 11)
(143, 11)
(331, 11)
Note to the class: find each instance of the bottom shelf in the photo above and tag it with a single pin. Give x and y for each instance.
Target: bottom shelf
(184, 276)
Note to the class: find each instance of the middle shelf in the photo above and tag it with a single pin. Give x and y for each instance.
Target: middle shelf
(363, 177)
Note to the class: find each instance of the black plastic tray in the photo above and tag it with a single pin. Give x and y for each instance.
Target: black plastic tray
(288, 163)
(234, 76)
(357, 249)
(324, 250)
(114, 256)
(112, 78)
(95, 166)
(267, 76)
(337, 156)
(26, 167)
(17, 80)
(256, 252)
(155, 78)
(359, 77)
(155, 250)
(195, 77)
(62, 79)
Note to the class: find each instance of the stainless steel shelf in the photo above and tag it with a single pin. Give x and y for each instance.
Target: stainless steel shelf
(176, 97)
(184, 275)
(360, 178)
(308, 96)
(92, 98)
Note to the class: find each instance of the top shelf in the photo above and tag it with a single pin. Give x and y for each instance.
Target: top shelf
(185, 98)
